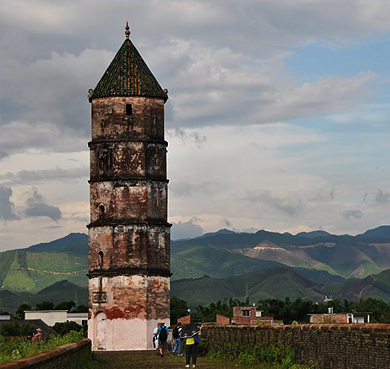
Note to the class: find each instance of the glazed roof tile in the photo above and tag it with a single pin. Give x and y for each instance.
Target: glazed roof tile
(128, 75)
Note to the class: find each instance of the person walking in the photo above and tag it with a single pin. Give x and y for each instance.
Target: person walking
(192, 350)
(178, 341)
(162, 338)
(155, 338)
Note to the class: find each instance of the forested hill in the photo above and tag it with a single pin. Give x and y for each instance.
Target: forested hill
(319, 256)
(347, 256)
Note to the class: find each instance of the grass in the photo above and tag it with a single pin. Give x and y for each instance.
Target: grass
(149, 360)
(19, 348)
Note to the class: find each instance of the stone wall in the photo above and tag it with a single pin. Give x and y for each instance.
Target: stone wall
(331, 346)
(69, 356)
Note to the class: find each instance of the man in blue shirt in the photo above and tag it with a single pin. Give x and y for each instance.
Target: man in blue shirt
(162, 332)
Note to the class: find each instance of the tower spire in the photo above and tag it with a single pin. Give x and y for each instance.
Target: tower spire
(127, 30)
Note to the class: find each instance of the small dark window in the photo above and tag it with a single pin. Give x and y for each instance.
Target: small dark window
(100, 259)
(102, 212)
(129, 109)
(154, 125)
(245, 312)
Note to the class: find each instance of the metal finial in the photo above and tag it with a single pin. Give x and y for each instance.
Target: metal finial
(127, 28)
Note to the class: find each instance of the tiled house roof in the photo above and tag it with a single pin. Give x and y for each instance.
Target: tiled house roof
(128, 75)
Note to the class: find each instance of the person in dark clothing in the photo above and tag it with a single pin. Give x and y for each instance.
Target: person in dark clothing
(192, 350)
(177, 338)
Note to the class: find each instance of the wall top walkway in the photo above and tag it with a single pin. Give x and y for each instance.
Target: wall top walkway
(369, 328)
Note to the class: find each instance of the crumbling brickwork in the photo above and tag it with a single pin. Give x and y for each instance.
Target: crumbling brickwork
(129, 236)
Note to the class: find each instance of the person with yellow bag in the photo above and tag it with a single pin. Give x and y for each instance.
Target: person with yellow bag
(191, 334)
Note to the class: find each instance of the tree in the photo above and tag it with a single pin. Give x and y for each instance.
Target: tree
(66, 327)
(21, 309)
(44, 305)
(65, 305)
(179, 308)
(380, 310)
(13, 328)
(81, 309)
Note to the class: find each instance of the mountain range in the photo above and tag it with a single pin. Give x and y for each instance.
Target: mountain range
(224, 264)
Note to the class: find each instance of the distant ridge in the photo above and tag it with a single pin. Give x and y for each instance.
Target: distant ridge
(76, 243)
(320, 256)
(313, 234)
(344, 255)
(209, 234)
(55, 293)
(379, 232)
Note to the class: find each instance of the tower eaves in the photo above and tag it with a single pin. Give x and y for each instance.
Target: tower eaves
(128, 75)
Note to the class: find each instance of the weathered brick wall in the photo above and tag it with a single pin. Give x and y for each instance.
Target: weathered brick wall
(69, 356)
(335, 346)
(185, 319)
(239, 318)
(222, 320)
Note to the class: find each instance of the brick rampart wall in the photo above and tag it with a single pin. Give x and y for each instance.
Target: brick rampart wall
(65, 357)
(334, 346)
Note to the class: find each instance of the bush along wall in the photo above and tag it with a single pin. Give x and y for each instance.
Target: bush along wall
(255, 356)
(76, 355)
(329, 346)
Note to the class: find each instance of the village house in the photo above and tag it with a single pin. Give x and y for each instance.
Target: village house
(51, 317)
(248, 315)
(340, 318)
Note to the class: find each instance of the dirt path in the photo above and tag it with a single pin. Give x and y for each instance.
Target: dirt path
(150, 360)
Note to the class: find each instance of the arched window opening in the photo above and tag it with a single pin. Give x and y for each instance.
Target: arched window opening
(101, 259)
(102, 213)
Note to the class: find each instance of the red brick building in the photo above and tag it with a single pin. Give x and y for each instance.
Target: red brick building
(129, 236)
(248, 315)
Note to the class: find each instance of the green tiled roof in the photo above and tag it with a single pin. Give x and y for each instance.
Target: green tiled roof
(128, 75)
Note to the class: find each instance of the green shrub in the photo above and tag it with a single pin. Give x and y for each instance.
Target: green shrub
(18, 348)
(66, 327)
(282, 356)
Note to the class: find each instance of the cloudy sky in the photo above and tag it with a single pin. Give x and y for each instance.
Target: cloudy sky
(278, 112)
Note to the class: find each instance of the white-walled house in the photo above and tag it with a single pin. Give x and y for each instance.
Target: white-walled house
(51, 317)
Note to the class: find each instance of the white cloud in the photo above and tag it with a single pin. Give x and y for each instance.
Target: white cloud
(188, 229)
(39, 176)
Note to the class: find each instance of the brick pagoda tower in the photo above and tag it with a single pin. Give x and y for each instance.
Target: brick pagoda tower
(129, 237)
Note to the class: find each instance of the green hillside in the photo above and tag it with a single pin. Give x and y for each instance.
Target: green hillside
(375, 286)
(225, 254)
(24, 271)
(56, 293)
(270, 283)
(198, 261)
(344, 255)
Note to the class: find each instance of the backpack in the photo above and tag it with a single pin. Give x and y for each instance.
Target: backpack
(176, 333)
(163, 334)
